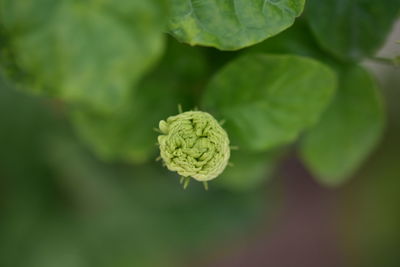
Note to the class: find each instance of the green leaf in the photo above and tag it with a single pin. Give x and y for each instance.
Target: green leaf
(129, 133)
(352, 29)
(230, 24)
(248, 171)
(90, 52)
(348, 130)
(267, 100)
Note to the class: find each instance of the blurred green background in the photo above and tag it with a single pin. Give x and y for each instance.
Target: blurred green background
(70, 196)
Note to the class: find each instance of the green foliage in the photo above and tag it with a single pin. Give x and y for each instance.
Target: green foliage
(99, 57)
(267, 100)
(84, 52)
(78, 181)
(353, 29)
(347, 131)
(353, 123)
(230, 24)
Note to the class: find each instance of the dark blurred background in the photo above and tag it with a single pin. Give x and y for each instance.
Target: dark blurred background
(61, 206)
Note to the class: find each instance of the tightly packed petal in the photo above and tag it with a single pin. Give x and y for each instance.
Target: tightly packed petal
(193, 144)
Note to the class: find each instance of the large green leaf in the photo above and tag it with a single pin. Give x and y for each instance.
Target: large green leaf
(230, 24)
(128, 133)
(267, 100)
(347, 131)
(90, 52)
(352, 29)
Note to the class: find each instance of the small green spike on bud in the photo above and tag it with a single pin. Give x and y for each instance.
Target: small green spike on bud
(193, 144)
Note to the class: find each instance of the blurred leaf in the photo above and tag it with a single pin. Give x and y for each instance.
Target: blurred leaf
(267, 100)
(230, 25)
(347, 131)
(249, 170)
(129, 133)
(352, 29)
(89, 52)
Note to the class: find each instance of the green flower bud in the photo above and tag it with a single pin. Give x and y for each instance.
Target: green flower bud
(193, 144)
